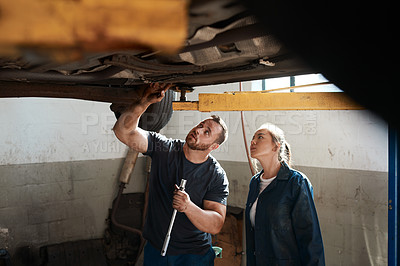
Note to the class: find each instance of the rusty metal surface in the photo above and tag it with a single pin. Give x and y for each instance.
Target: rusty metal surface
(129, 210)
(123, 239)
(69, 42)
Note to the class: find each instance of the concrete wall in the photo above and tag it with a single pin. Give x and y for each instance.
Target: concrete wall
(59, 165)
(59, 169)
(344, 154)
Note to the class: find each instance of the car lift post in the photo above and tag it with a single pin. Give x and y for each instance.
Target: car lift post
(393, 201)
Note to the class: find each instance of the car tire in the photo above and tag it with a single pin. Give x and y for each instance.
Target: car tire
(158, 114)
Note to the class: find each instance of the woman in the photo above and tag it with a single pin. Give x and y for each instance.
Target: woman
(281, 221)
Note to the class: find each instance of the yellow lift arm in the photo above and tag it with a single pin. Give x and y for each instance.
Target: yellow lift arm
(261, 101)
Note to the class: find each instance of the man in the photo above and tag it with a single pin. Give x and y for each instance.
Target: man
(201, 207)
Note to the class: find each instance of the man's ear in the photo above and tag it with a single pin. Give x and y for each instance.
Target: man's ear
(214, 146)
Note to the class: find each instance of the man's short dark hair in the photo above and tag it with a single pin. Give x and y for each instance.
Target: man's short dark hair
(223, 136)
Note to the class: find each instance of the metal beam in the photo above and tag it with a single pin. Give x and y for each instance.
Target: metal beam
(81, 92)
(261, 101)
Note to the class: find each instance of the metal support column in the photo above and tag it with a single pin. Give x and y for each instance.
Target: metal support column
(394, 171)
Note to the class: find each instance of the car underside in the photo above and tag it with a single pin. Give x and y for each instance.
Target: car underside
(226, 41)
(226, 45)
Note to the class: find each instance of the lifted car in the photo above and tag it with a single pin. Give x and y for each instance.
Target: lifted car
(227, 41)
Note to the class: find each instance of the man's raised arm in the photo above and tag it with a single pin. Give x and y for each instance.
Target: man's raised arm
(126, 128)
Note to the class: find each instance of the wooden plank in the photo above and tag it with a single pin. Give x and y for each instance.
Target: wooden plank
(185, 106)
(230, 240)
(92, 25)
(243, 101)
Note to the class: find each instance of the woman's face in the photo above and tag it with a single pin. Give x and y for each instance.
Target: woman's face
(262, 145)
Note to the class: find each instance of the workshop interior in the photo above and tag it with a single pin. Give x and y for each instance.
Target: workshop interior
(72, 194)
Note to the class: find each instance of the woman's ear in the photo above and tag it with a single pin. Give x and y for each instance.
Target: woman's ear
(277, 147)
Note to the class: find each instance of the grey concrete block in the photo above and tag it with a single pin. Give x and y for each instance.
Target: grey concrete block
(3, 198)
(239, 176)
(95, 226)
(353, 215)
(47, 212)
(57, 202)
(29, 235)
(12, 217)
(67, 230)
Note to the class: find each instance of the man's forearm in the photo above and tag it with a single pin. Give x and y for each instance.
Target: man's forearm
(209, 221)
(210, 218)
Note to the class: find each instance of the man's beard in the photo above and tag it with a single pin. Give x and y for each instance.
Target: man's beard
(198, 147)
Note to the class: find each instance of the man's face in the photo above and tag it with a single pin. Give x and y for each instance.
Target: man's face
(204, 135)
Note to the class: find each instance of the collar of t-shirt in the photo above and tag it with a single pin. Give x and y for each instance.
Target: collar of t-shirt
(265, 182)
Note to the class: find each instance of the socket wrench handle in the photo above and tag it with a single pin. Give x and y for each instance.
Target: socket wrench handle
(171, 223)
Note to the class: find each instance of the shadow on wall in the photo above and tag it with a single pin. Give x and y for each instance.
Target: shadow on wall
(352, 210)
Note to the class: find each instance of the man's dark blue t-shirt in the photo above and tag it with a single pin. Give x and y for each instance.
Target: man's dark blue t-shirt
(205, 181)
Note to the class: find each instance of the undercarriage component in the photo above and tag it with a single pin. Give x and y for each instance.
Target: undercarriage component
(122, 238)
(137, 64)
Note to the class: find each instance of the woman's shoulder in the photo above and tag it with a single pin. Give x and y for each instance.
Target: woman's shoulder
(298, 176)
(286, 172)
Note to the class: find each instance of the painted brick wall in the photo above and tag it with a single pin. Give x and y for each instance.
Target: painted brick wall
(59, 169)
